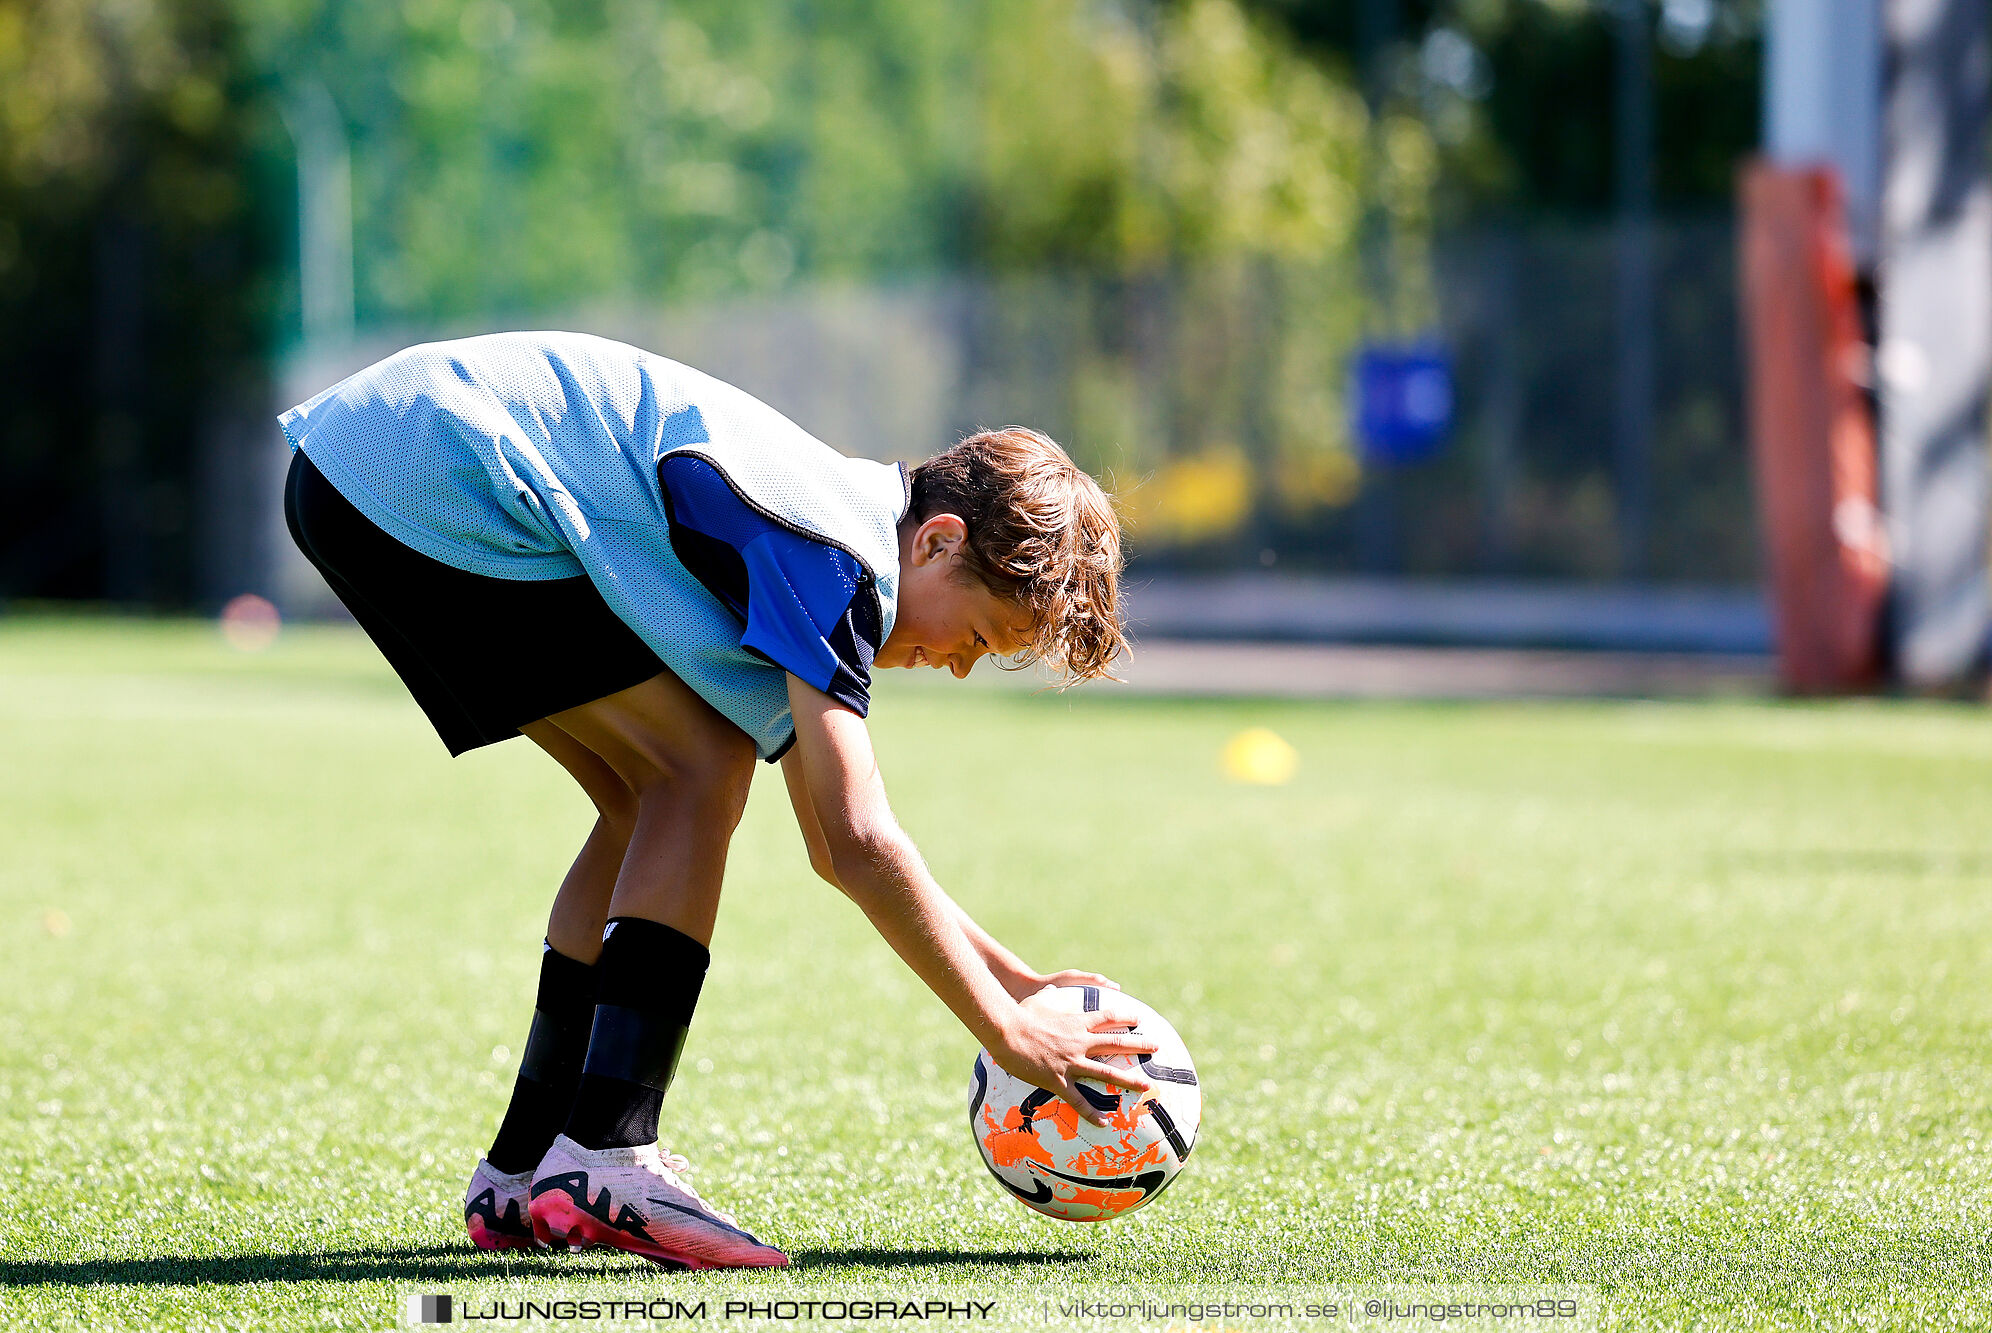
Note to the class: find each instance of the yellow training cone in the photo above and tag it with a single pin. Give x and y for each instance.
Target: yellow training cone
(1260, 756)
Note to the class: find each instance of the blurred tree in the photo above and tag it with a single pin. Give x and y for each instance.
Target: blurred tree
(513, 156)
(1201, 181)
(621, 148)
(130, 285)
(1518, 93)
(1192, 171)
(1186, 132)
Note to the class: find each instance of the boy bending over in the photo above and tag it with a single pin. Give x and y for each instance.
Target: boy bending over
(658, 579)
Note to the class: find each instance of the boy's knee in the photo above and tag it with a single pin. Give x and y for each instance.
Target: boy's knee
(616, 805)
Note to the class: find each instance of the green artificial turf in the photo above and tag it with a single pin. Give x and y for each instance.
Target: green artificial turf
(1684, 1003)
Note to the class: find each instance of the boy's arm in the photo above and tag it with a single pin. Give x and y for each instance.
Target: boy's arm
(878, 867)
(805, 816)
(1016, 976)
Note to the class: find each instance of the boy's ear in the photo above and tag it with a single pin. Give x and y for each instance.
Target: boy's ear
(938, 538)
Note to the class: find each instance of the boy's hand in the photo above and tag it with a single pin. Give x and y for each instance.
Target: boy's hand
(1051, 1047)
(1024, 983)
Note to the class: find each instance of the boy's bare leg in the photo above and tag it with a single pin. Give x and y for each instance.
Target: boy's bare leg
(689, 770)
(604, 1181)
(563, 1006)
(581, 908)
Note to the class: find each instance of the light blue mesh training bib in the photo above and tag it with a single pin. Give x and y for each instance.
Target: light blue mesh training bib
(534, 456)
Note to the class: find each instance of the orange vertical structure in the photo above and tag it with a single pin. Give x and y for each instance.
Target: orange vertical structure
(1812, 431)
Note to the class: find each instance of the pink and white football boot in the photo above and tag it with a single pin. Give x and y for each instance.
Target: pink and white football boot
(637, 1199)
(494, 1210)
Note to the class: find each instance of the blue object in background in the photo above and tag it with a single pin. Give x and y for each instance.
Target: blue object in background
(1403, 401)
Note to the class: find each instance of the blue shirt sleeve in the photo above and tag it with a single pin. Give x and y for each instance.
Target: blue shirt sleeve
(800, 615)
(804, 605)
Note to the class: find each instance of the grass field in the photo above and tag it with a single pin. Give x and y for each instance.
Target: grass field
(1686, 1003)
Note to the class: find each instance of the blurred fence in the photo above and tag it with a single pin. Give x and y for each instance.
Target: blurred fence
(1217, 402)
(1220, 404)
(1531, 485)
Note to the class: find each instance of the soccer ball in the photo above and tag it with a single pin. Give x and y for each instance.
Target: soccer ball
(1039, 1149)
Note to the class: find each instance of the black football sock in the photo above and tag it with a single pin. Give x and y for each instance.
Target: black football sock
(646, 988)
(551, 1065)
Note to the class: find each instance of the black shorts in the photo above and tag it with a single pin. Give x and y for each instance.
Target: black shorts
(482, 656)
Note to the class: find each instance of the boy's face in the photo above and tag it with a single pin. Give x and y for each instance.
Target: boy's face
(946, 618)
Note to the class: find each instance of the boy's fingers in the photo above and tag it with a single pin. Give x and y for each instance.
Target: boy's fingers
(1114, 1074)
(1107, 1018)
(1123, 1043)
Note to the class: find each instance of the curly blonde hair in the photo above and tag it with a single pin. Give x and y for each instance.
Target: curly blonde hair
(1041, 534)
